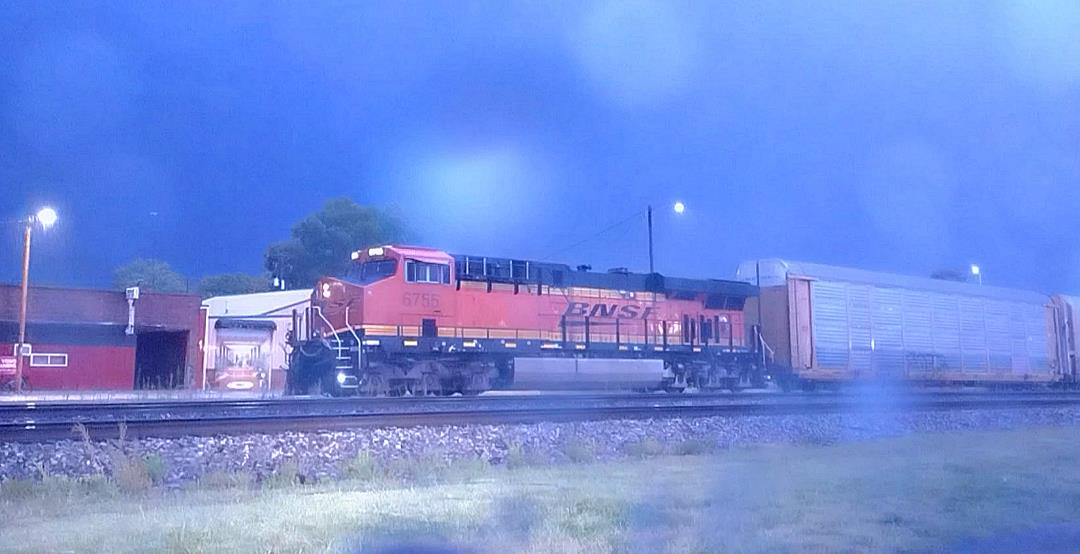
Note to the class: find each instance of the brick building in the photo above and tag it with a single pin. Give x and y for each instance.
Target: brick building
(79, 339)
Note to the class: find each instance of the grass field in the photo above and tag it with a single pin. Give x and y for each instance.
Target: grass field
(918, 493)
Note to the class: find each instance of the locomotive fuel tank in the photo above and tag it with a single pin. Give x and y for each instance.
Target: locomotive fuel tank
(586, 374)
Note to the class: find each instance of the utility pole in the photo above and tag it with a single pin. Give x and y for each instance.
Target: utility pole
(27, 226)
(46, 217)
(651, 268)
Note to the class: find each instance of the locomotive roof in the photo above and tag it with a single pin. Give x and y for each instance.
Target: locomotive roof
(480, 268)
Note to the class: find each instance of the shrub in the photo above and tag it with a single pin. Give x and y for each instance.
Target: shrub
(644, 448)
(578, 452)
(692, 447)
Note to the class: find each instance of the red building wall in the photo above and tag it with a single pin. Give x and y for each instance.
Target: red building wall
(88, 325)
(89, 367)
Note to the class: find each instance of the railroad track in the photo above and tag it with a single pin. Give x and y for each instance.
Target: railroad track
(8, 408)
(434, 412)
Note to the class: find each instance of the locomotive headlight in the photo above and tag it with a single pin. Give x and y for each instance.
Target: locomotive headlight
(341, 377)
(355, 255)
(326, 290)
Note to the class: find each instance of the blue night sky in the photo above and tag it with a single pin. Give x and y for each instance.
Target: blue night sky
(900, 136)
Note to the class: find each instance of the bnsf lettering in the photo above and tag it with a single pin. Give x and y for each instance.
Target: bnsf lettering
(603, 310)
(629, 311)
(576, 309)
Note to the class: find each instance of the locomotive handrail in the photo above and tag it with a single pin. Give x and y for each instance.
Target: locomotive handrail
(768, 348)
(318, 310)
(350, 326)
(767, 352)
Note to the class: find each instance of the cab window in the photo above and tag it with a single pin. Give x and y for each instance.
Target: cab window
(371, 271)
(424, 272)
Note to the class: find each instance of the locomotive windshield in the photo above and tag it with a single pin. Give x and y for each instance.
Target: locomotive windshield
(371, 271)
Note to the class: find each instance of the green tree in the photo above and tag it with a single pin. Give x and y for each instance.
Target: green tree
(149, 274)
(321, 242)
(232, 283)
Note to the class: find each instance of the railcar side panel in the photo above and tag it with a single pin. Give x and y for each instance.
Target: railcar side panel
(846, 324)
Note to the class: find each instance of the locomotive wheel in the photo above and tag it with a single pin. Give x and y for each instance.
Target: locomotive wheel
(374, 385)
(428, 385)
(316, 388)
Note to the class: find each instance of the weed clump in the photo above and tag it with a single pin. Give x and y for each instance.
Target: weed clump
(19, 489)
(365, 468)
(56, 487)
(517, 457)
(432, 468)
(225, 480)
(578, 452)
(130, 474)
(156, 468)
(287, 474)
(590, 517)
(692, 447)
(644, 448)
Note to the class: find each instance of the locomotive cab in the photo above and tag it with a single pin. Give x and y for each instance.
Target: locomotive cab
(387, 292)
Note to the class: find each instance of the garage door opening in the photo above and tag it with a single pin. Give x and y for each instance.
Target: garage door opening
(159, 359)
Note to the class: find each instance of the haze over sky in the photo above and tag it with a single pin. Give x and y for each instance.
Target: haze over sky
(902, 136)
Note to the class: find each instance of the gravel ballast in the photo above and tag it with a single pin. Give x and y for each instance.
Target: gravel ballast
(320, 455)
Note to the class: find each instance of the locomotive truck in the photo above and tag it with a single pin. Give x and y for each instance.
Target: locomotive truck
(407, 319)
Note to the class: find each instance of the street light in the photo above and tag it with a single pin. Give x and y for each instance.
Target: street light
(976, 272)
(46, 217)
(678, 208)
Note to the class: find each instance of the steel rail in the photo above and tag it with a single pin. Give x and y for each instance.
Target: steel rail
(33, 406)
(277, 423)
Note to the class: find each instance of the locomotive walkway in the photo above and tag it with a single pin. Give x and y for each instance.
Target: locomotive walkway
(37, 421)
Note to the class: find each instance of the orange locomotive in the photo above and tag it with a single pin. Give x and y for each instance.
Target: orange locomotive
(420, 320)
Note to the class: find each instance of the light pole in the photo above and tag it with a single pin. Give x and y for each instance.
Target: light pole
(678, 208)
(977, 272)
(46, 217)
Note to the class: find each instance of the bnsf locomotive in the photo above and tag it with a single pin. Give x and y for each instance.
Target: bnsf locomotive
(419, 320)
